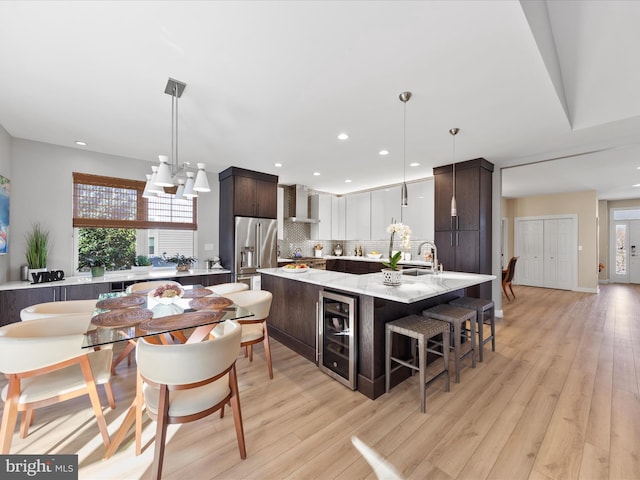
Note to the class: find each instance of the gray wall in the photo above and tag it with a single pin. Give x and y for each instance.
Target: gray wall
(42, 191)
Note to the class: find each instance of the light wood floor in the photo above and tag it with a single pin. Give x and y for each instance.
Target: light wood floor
(559, 399)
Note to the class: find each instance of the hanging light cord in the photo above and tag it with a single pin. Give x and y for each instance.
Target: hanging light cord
(454, 165)
(404, 143)
(174, 130)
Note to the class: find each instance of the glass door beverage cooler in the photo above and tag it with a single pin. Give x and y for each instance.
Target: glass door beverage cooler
(337, 343)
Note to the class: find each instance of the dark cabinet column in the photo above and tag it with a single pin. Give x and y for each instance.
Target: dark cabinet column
(464, 242)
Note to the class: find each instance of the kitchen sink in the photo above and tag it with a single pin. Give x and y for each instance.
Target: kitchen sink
(416, 272)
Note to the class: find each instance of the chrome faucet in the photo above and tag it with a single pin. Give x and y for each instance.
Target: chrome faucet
(432, 244)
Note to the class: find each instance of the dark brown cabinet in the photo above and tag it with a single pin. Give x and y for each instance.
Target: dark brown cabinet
(243, 193)
(464, 241)
(12, 301)
(246, 193)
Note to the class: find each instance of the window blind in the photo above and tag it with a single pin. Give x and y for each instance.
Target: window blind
(109, 202)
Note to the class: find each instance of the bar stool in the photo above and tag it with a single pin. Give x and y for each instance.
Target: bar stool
(423, 330)
(457, 317)
(485, 310)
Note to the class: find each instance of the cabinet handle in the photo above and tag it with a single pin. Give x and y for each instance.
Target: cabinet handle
(451, 239)
(457, 239)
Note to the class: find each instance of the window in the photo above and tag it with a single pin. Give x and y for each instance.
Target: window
(114, 222)
(118, 203)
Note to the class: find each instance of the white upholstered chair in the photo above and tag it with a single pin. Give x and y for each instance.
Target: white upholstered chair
(224, 288)
(254, 329)
(145, 286)
(181, 383)
(45, 364)
(53, 309)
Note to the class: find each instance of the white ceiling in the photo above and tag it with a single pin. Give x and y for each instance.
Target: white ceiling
(271, 81)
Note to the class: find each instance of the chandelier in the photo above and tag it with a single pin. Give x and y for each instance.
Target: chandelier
(188, 182)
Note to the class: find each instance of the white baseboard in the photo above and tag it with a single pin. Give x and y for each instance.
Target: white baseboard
(586, 290)
(500, 313)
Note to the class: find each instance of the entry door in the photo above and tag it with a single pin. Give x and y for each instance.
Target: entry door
(634, 251)
(619, 260)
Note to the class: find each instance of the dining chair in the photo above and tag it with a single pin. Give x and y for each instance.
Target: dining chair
(224, 288)
(254, 329)
(53, 309)
(507, 277)
(44, 364)
(181, 383)
(147, 286)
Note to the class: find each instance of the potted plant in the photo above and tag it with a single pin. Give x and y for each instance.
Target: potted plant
(95, 262)
(37, 248)
(393, 273)
(182, 263)
(141, 264)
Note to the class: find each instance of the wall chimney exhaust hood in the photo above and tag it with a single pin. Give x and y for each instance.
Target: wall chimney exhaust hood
(298, 204)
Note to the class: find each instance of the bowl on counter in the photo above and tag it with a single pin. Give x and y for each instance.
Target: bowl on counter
(374, 255)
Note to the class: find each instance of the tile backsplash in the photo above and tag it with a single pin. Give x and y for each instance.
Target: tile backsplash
(297, 235)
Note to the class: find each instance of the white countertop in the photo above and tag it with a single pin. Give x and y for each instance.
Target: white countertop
(412, 289)
(122, 276)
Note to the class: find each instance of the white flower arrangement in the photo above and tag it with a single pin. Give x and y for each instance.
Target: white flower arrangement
(405, 237)
(403, 230)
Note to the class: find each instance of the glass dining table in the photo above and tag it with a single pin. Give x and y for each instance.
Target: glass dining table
(126, 317)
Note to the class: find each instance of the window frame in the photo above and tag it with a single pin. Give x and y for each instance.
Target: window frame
(141, 210)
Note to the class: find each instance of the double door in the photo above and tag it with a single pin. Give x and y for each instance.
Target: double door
(546, 248)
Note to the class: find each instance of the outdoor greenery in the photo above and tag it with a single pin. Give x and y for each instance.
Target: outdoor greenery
(37, 247)
(114, 248)
(142, 261)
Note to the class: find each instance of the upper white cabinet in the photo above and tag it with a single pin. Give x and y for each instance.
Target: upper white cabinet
(385, 207)
(359, 216)
(280, 206)
(338, 218)
(321, 209)
(419, 212)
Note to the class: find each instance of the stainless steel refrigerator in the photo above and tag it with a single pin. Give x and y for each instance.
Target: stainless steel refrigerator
(256, 245)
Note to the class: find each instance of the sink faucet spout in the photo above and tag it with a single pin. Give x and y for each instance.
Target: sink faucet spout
(432, 244)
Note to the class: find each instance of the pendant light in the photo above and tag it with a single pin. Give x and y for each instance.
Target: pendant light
(173, 174)
(454, 208)
(404, 98)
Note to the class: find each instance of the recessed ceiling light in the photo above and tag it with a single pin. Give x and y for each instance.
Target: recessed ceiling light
(315, 174)
(277, 164)
(81, 143)
(347, 181)
(414, 164)
(384, 152)
(343, 136)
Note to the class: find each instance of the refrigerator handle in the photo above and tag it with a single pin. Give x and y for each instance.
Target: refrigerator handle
(259, 245)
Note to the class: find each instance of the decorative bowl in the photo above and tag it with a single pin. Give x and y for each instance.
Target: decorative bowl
(374, 255)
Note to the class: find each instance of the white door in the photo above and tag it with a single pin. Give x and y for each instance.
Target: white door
(530, 248)
(558, 253)
(634, 251)
(619, 254)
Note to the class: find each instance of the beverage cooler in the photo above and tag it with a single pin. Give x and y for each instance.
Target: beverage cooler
(337, 341)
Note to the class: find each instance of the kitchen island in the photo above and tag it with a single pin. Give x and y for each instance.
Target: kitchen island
(293, 319)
